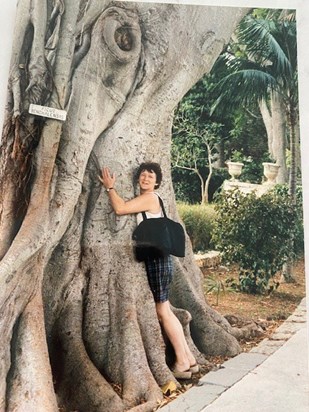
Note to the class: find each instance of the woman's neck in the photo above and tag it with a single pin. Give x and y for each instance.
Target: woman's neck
(143, 192)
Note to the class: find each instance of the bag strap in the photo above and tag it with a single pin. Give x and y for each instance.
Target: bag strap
(162, 207)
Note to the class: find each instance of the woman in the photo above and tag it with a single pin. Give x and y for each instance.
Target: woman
(159, 270)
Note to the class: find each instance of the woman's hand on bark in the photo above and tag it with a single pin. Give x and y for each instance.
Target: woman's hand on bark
(107, 179)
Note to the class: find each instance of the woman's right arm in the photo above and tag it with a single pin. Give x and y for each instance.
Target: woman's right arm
(141, 203)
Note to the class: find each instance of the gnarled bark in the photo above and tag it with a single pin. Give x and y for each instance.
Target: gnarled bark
(118, 69)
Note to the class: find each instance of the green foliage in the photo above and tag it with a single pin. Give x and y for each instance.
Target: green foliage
(247, 135)
(194, 142)
(298, 233)
(224, 104)
(236, 129)
(187, 185)
(199, 222)
(255, 233)
(195, 134)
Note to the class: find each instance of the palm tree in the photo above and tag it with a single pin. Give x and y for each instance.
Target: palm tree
(262, 66)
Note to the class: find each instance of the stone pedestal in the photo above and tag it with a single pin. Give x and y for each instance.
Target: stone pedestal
(245, 187)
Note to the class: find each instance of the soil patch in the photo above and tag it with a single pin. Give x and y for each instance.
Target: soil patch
(269, 310)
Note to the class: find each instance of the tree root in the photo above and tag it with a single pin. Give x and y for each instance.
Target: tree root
(129, 349)
(30, 386)
(244, 328)
(149, 406)
(81, 386)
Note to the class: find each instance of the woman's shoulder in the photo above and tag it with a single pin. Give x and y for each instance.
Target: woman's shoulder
(148, 197)
(151, 202)
(157, 196)
(154, 195)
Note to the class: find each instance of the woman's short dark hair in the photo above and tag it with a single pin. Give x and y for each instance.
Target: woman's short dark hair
(150, 167)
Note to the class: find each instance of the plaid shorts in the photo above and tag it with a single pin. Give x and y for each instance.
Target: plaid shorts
(159, 273)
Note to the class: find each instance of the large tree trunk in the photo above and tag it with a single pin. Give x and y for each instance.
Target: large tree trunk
(77, 315)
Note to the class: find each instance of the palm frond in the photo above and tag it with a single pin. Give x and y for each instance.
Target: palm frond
(243, 88)
(263, 59)
(264, 43)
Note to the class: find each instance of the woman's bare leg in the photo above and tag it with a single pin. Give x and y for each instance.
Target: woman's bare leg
(175, 334)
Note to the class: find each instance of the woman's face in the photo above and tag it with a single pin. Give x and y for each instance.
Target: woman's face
(147, 181)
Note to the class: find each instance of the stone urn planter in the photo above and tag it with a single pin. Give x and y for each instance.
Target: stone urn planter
(271, 172)
(234, 169)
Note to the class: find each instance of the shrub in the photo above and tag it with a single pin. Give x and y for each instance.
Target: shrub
(199, 222)
(298, 233)
(255, 233)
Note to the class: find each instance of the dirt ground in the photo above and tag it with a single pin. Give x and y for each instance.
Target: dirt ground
(269, 311)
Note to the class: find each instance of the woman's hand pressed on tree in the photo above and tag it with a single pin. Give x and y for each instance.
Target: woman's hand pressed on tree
(107, 179)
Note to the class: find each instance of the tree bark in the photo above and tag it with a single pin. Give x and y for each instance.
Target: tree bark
(292, 116)
(275, 123)
(119, 70)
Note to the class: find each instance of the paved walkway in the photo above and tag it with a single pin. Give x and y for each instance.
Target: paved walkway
(272, 377)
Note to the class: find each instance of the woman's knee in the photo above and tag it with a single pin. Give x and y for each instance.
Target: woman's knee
(163, 310)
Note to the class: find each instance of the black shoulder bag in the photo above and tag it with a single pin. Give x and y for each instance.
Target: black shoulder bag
(158, 237)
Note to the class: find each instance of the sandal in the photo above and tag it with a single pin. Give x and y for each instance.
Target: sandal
(182, 375)
(194, 368)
